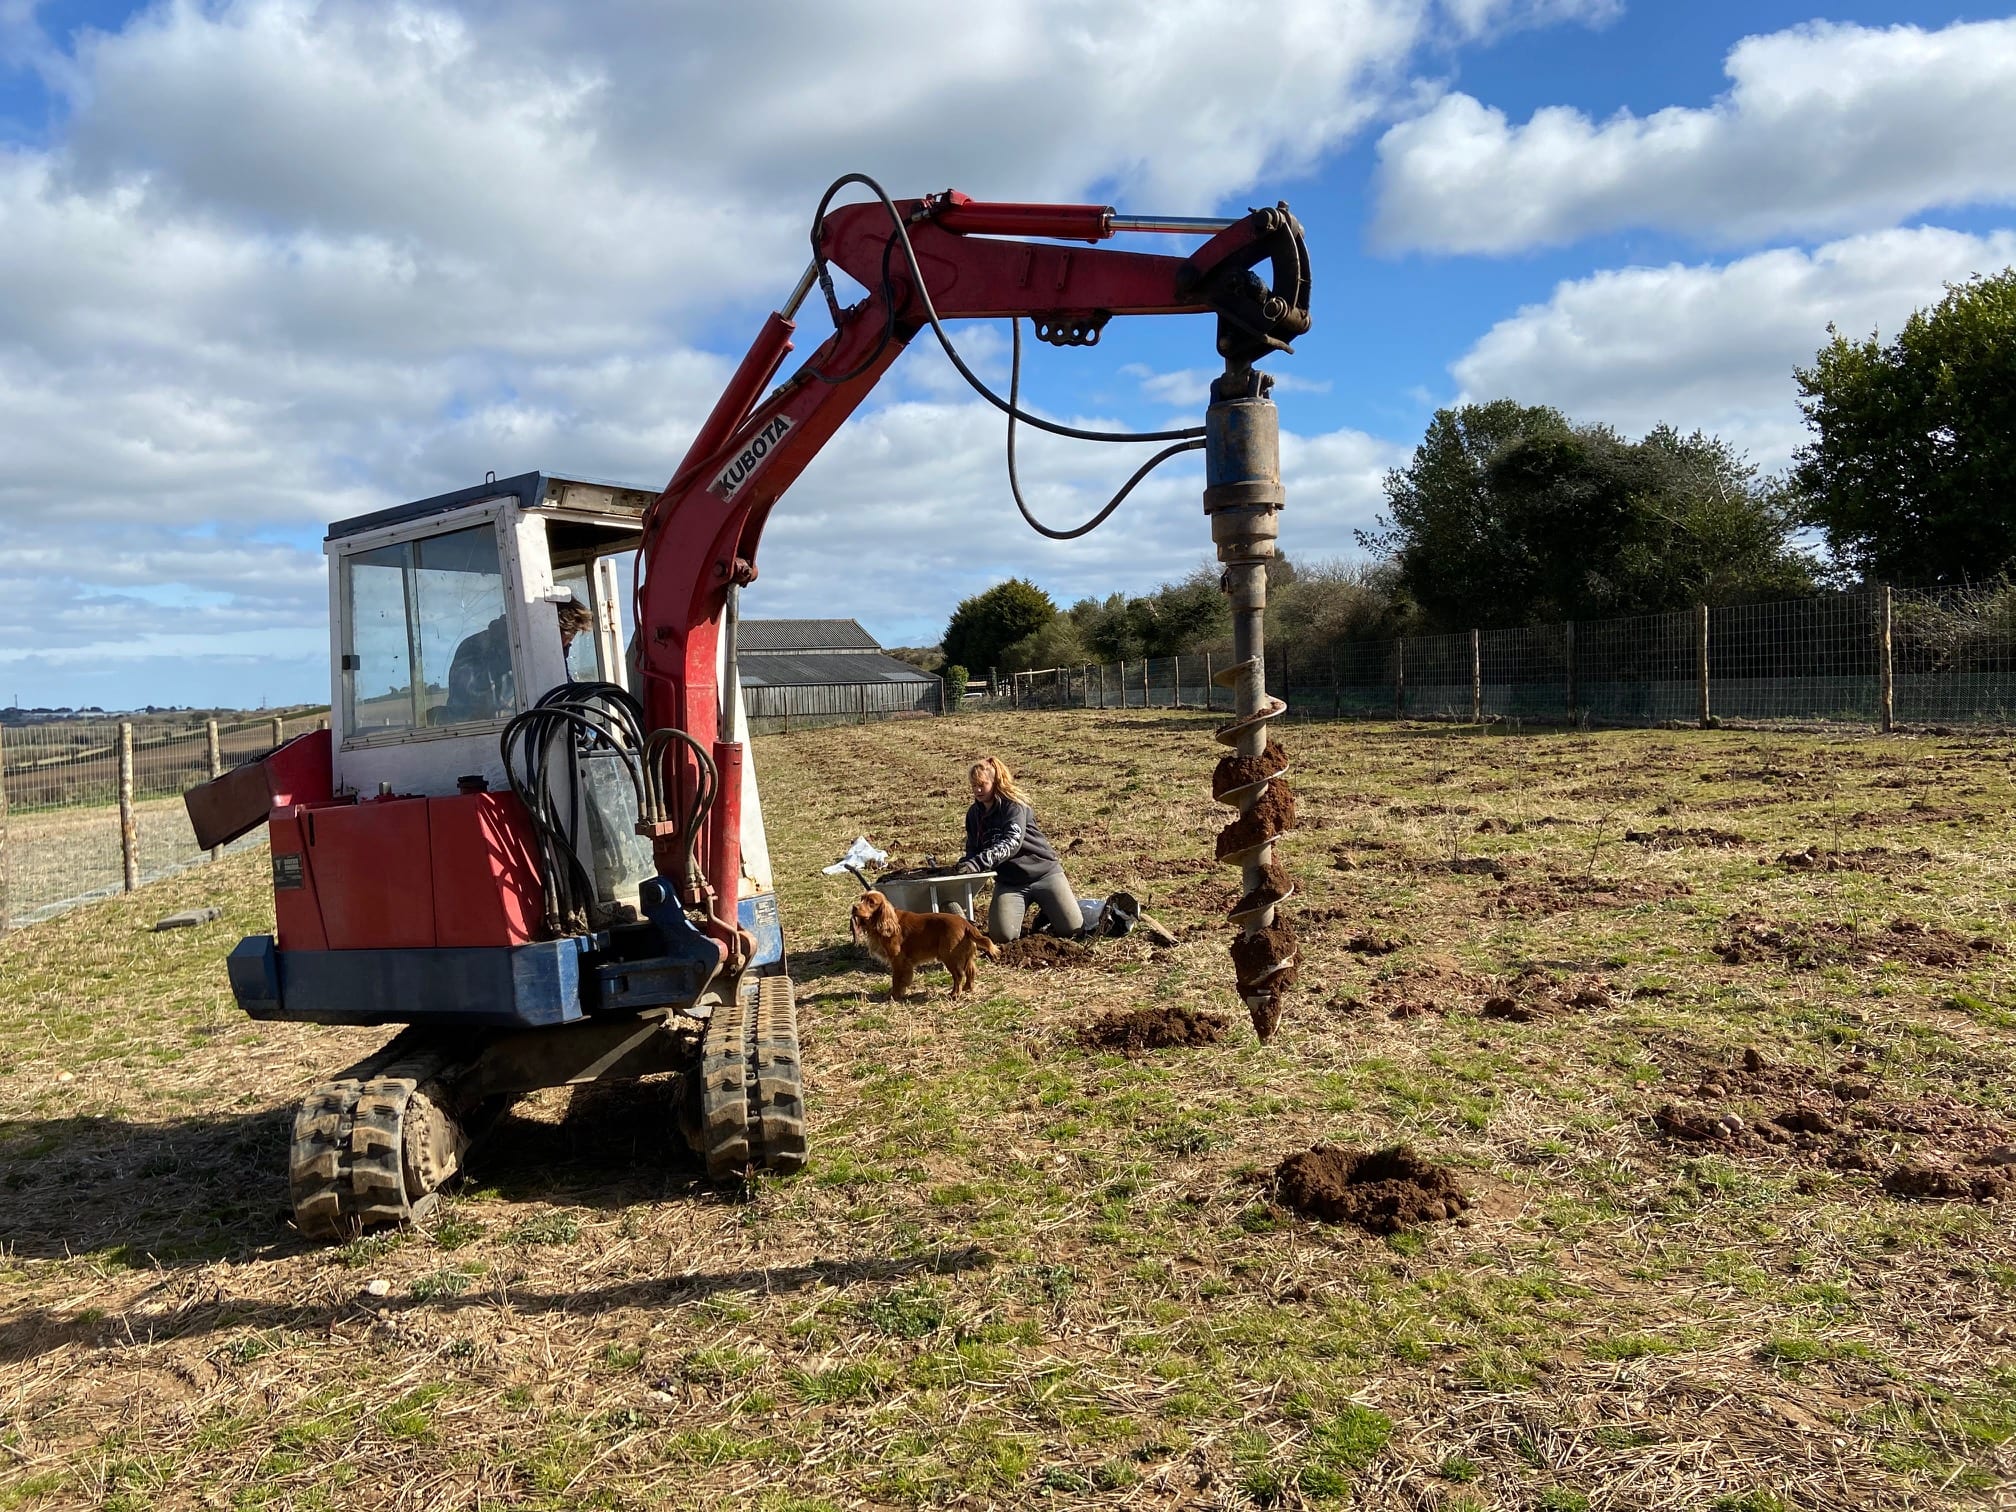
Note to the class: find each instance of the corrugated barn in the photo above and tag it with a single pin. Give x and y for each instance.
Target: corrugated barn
(819, 671)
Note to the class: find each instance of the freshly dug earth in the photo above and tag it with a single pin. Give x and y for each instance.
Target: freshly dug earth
(1666, 837)
(1045, 953)
(1932, 1147)
(1869, 858)
(1153, 1029)
(1536, 994)
(1253, 955)
(1562, 893)
(1273, 815)
(1806, 945)
(1233, 772)
(1381, 1191)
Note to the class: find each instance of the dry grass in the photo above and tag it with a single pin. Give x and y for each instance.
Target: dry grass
(1022, 1272)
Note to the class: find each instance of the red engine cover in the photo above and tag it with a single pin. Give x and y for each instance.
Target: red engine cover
(405, 874)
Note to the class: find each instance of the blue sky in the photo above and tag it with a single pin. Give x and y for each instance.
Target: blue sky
(270, 263)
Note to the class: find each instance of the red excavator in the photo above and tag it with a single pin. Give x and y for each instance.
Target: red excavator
(540, 849)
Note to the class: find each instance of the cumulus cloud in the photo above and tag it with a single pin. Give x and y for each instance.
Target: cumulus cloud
(1713, 346)
(279, 262)
(1825, 128)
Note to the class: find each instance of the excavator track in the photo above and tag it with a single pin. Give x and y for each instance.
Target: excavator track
(748, 1106)
(375, 1145)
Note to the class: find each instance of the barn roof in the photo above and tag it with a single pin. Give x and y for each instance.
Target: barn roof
(784, 669)
(768, 635)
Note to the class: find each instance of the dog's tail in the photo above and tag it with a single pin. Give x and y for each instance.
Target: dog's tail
(987, 945)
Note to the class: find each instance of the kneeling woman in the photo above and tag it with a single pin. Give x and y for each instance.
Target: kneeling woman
(1002, 838)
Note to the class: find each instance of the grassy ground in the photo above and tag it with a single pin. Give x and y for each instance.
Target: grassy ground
(1018, 1272)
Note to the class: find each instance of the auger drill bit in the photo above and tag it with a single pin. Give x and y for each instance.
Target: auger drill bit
(1243, 497)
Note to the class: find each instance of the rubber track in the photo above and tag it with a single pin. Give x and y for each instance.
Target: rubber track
(344, 1167)
(724, 1090)
(776, 1088)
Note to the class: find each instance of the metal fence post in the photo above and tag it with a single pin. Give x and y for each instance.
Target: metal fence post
(1476, 679)
(3, 832)
(1701, 656)
(1400, 678)
(216, 768)
(129, 831)
(1886, 672)
(1568, 660)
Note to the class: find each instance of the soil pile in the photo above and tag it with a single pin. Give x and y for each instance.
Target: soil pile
(1666, 837)
(1273, 815)
(1870, 858)
(1561, 894)
(1417, 991)
(1153, 1029)
(1807, 945)
(1234, 772)
(1256, 956)
(1045, 953)
(1535, 994)
(1847, 1122)
(1382, 1191)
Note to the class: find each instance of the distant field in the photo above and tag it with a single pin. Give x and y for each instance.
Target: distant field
(1676, 1075)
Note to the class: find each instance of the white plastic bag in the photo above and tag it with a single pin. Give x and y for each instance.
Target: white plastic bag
(859, 854)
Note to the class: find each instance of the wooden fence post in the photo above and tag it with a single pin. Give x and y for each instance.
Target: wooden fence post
(1568, 660)
(1336, 685)
(1121, 678)
(1886, 674)
(941, 698)
(1144, 682)
(1175, 682)
(1102, 685)
(1476, 679)
(3, 832)
(216, 767)
(862, 693)
(129, 830)
(279, 730)
(1400, 677)
(993, 683)
(1701, 657)
(1210, 697)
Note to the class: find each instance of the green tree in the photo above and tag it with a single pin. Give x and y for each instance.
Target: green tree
(1911, 472)
(984, 626)
(1057, 644)
(1511, 514)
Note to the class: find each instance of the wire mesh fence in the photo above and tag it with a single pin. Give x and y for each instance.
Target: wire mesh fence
(771, 709)
(89, 808)
(1873, 656)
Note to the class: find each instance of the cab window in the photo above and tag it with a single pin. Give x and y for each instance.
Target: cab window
(429, 640)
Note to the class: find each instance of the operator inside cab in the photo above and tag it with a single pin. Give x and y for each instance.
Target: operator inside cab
(480, 683)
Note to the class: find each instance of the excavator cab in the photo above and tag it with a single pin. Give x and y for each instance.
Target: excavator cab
(463, 852)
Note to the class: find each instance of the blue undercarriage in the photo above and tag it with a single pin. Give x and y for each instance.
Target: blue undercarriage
(509, 987)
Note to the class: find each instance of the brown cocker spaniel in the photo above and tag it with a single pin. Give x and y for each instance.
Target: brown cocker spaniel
(904, 941)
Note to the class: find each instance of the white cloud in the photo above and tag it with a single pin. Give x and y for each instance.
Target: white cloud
(1486, 18)
(282, 262)
(1711, 345)
(1826, 128)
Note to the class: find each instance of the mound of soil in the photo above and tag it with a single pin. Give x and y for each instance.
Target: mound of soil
(1562, 894)
(1253, 955)
(1666, 837)
(1273, 815)
(1536, 994)
(1479, 866)
(1417, 991)
(1847, 1122)
(1870, 858)
(1243, 771)
(1807, 945)
(1153, 1029)
(1162, 869)
(1382, 1191)
(1366, 942)
(1045, 953)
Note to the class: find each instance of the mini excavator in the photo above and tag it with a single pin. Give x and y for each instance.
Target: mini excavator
(534, 841)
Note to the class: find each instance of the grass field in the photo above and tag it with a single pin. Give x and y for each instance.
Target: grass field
(1019, 1272)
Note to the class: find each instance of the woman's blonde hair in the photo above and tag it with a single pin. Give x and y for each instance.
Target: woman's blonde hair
(1004, 780)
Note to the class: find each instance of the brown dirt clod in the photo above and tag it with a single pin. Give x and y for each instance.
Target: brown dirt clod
(1044, 953)
(1806, 945)
(1254, 954)
(1381, 1191)
(1243, 771)
(1667, 837)
(1265, 1011)
(1933, 1181)
(1153, 1029)
(1273, 815)
(1275, 884)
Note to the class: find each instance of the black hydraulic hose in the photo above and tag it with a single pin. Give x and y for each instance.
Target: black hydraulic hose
(1007, 407)
(1015, 481)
